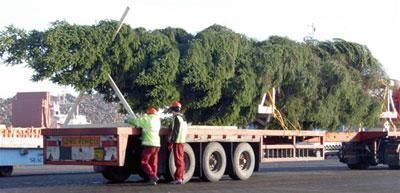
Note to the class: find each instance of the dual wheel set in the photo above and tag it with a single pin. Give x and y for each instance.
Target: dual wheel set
(212, 164)
(6, 171)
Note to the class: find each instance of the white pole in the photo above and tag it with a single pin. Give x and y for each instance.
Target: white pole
(120, 23)
(113, 85)
(263, 99)
(273, 99)
(121, 97)
(389, 96)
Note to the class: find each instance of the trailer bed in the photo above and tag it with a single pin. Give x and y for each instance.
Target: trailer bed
(106, 145)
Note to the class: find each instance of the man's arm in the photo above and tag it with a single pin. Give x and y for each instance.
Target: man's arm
(137, 122)
(175, 130)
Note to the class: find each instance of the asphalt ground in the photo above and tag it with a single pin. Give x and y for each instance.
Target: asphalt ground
(316, 176)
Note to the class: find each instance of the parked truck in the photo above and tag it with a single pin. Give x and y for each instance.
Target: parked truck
(210, 151)
(213, 151)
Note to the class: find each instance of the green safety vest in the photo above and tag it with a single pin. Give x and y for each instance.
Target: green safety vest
(182, 130)
(150, 125)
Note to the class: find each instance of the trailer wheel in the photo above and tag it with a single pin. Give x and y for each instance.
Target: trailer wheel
(116, 174)
(6, 171)
(358, 166)
(243, 162)
(213, 162)
(394, 167)
(190, 163)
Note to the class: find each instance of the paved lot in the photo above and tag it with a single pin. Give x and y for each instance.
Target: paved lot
(322, 176)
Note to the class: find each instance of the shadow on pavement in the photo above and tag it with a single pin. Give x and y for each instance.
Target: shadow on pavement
(315, 169)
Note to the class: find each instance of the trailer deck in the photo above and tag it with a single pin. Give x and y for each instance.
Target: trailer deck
(115, 148)
(272, 145)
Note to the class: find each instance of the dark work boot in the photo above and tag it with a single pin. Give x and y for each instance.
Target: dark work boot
(177, 182)
(153, 181)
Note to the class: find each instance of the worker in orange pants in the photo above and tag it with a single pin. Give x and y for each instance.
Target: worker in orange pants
(149, 162)
(178, 149)
(177, 141)
(150, 125)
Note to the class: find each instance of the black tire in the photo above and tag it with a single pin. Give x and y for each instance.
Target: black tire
(6, 171)
(358, 166)
(352, 166)
(116, 174)
(213, 162)
(243, 162)
(190, 163)
(394, 167)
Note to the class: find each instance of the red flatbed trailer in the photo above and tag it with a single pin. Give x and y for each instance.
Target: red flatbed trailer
(210, 151)
(213, 151)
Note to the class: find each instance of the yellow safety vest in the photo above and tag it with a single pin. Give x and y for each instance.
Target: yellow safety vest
(150, 125)
(182, 130)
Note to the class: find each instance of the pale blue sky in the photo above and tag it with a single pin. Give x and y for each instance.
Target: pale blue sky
(375, 23)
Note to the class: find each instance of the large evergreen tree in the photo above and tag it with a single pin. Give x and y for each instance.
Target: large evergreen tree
(219, 75)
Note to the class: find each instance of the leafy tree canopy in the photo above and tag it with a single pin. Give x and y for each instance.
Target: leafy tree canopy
(219, 75)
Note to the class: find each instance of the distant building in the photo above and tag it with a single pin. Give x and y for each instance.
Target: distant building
(31, 109)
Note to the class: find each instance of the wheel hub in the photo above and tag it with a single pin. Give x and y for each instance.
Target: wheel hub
(243, 161)
(213, 162)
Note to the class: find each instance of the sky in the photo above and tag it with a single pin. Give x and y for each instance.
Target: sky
(374, 23)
